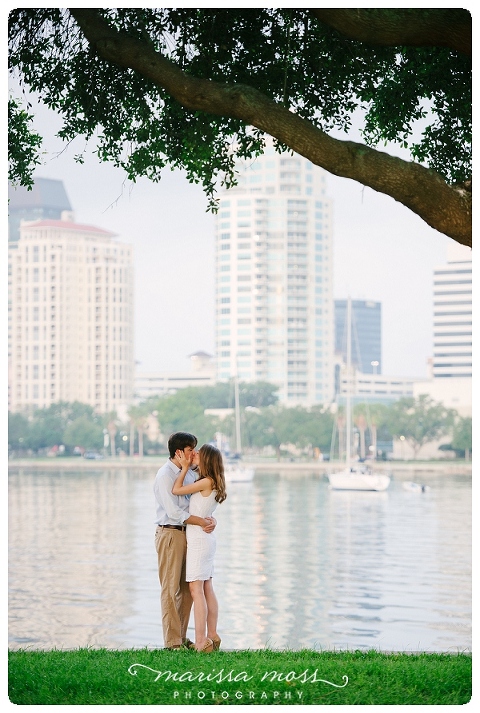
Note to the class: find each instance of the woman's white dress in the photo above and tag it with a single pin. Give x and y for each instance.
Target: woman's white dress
(200, 545)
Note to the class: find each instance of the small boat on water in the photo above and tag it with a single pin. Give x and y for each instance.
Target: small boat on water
(415, 487)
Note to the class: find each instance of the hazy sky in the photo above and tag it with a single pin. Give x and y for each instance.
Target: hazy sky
(382, 252)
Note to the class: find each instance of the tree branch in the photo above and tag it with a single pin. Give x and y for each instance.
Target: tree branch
(443, 207)
(391, 27)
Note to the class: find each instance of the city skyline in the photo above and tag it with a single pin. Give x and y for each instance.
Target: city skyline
(382, 252)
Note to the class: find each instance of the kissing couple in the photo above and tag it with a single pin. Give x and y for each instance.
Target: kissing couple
(187, 490)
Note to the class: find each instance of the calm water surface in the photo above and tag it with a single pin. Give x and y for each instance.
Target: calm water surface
(297, 565)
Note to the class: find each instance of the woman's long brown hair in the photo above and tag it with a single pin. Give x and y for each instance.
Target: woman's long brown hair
(211, 466)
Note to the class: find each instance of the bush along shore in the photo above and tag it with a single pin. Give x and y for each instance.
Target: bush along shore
(252, 677)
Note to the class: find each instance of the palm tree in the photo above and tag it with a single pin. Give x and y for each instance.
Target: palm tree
(112, 431)
(361, 424)
(375, 417)
(341, 423)
(139, 421)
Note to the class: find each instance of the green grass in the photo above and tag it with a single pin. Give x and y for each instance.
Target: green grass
(132, 677)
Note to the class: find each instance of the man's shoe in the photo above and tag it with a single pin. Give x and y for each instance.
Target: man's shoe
(187, 644)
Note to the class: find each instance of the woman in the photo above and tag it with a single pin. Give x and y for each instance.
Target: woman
(206, 493)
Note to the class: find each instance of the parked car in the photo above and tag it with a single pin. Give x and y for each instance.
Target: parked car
(92, 455)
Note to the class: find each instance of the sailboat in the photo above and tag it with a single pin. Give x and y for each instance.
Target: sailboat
(355, 476)
(236, 472)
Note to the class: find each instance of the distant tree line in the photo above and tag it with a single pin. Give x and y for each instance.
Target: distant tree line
(73, 428)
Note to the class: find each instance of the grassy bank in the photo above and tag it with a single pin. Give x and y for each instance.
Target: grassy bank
(153, 677)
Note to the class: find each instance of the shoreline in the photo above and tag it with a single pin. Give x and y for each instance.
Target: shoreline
(301, 467)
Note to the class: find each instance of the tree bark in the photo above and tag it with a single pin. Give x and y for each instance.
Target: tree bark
(392, 27)
(445, 208)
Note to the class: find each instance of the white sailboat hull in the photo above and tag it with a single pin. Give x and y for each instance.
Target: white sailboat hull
(351, 479)
(238, 474)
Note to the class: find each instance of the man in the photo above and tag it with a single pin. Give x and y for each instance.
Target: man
(171, 542)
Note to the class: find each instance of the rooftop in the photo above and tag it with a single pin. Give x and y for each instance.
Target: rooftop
(67, 225)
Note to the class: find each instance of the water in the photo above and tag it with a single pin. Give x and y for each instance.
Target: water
(297, 565)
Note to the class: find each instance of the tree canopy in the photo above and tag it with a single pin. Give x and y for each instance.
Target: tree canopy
(69, 423)
(462, 435)
(196, 88)
(24, 145)
(264, 423)
(420, 421)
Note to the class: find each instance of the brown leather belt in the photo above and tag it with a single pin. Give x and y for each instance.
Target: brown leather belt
(174, 527)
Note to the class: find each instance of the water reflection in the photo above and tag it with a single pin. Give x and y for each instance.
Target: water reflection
(297, 565)
(69, 554)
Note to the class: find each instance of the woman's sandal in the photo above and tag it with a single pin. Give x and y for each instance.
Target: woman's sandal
(216, 643)
(207, 647)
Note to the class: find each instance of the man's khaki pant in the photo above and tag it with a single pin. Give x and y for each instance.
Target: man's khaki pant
(176, 600)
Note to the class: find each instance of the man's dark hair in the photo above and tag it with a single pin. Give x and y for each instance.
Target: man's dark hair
(179, 441)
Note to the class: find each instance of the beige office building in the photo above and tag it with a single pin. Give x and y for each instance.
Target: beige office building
(71, 329)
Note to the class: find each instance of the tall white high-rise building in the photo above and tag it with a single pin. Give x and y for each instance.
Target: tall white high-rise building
(452, 315)
(71, 316)
(273, 277)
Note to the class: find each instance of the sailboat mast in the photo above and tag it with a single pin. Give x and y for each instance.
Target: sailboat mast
(349, 369)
